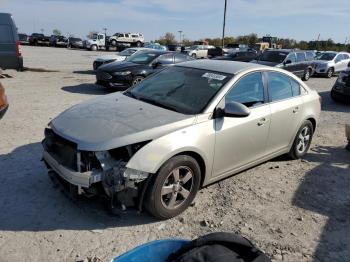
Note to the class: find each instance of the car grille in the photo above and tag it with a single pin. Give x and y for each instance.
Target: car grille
(103, 76)
(62, 150)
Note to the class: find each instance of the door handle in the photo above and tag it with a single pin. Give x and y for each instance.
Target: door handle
(295, 110)
(262, 121)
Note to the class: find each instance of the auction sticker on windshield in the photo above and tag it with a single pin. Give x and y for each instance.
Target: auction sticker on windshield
(214, 76)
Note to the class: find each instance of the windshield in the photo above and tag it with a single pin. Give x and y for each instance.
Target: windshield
(327, 56)
(180, 89)
(194, 47)
(143, 58)
(273, 56)
(127, 52)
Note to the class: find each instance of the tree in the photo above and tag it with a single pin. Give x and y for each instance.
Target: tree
(56, 32)
(167, 39)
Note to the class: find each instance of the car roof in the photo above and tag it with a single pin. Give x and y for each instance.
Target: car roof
(228, 67)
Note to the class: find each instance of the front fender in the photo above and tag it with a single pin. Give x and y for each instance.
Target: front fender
(198, 138)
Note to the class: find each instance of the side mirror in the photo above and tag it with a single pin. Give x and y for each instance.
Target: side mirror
(156, 64)
(288, 62)
(233, 109)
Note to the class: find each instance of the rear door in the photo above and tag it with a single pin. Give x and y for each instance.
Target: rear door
(286, 105)
(338, 63)
(301, 64)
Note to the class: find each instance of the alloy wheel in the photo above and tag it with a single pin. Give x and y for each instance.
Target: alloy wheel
(177, 187)
(303, 140)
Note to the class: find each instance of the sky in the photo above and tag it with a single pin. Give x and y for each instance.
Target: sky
(298, 19)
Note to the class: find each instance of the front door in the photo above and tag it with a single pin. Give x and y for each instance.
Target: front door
(240, 141)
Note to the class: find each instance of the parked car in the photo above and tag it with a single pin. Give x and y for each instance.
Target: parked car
(134, 39)
(39, 39)
(10, 48)
(75, 42)
(296, 61)
(23, 39)
(331, 63)
(121, 56)
(242, 56)
(186, 127)
(156, 46)
(199, 51)
(341, 88)
(58, 41)
(174, 47)
(122, 75)
(3, 101)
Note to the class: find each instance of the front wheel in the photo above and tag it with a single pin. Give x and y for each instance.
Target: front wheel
(330, 72)
(93, 48)
(307, 74)
(194, 56)
(174, 187)
(136, 80)
(302, 140)
(114, 43)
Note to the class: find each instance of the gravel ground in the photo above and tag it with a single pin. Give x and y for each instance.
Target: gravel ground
(293, 210)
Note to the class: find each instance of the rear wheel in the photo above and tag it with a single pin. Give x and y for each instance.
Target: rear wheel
(174, 187)
(302, 140)
(136, 80)
(138, 44)
(330, 72)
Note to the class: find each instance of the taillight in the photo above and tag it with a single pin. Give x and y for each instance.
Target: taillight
(18, 49)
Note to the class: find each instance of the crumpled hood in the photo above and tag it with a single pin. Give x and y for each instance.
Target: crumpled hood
(116, 120)
(111, 57)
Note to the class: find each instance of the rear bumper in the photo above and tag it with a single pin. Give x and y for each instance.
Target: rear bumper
(85, 179)
(3, 110)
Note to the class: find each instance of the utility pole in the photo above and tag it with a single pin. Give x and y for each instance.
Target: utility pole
(223, 26)
(180, 32)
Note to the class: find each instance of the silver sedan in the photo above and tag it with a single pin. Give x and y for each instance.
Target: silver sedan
(185, 127)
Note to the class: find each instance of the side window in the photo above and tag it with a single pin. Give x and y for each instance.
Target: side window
(279, 86)
(126, 35)
(339, 58)
(295, 87)
(6, 34)
(300, 57)
(309, 56)
(166, 59)
(248, 91)
(346, 56)
(291, 57)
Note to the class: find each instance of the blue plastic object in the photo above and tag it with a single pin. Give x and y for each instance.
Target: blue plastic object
(155, 251)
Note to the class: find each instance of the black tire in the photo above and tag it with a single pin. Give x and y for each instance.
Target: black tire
(136, 80)
(165, 205)
(307, 74)
(301, 145)
(194, 56)
(330, 73)
(94, 66)
(93, 48)
(114, 43)
(138, 44)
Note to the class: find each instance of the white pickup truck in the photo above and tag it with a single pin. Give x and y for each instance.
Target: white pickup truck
(134, 39)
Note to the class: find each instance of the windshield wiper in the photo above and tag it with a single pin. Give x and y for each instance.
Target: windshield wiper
(156, 103)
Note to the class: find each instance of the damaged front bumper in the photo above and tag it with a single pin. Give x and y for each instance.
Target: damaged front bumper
(85, 179)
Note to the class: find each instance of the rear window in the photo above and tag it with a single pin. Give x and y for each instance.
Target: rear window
(6, 35)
